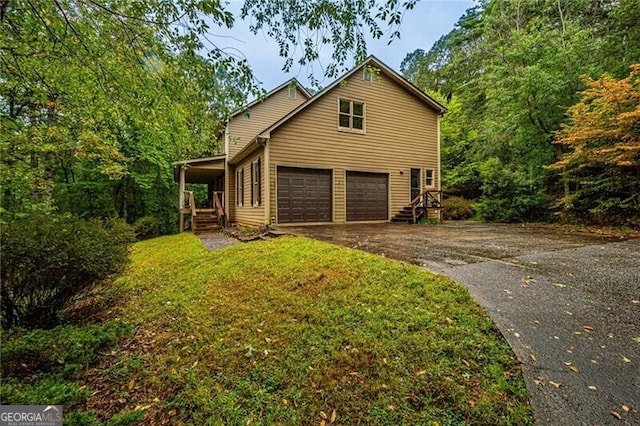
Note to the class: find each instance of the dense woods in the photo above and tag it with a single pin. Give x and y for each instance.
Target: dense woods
(543, 115)
(99, 97)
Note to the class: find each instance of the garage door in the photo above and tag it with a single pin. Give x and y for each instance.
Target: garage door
(367, 196)
(304, 195)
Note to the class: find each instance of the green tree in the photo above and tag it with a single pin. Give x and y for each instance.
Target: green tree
(510, 71)
(99, 97)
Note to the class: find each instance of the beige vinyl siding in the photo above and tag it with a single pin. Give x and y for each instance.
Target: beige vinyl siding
(245, 126)
(248, 214)
(401, 133)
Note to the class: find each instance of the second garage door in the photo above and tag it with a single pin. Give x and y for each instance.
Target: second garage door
(304, 195)
(367, 196)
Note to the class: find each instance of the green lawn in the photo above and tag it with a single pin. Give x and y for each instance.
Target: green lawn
(286, 331)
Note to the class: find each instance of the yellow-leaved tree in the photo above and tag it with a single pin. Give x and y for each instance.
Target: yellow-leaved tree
(601, 166)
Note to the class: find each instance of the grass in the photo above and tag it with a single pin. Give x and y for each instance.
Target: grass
(292, 331)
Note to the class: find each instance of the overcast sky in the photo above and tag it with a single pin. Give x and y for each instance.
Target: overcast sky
(421, 27)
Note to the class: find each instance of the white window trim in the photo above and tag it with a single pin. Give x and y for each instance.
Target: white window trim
(367, 75)
(364, 116)
(433, 178)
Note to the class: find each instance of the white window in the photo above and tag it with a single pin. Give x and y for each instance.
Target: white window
(429, 179)
(351, 115)
(367, 74)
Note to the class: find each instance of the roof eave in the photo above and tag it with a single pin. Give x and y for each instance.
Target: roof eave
(271, 93)
(199, 160)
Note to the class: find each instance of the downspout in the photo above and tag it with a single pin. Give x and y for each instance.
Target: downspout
(439, 175)
(266, 184)
(227, 171)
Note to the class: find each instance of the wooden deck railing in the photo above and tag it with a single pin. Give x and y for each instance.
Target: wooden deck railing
(426, 200)
(188, 206)
(218, 206)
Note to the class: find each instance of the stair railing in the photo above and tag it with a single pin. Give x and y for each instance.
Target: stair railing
(423, 201)
(190, 206)
(218, 206)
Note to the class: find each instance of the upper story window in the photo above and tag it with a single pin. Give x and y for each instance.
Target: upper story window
(429, 177)
(367, 74)
(351, 115)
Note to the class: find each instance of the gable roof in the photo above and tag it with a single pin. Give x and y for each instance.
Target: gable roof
(294, 81)
(372, 61)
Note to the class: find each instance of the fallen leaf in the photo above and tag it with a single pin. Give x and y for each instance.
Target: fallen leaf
(569, 313)
(626, 408)
(333, 416)
(625, 359)
(560, 285)
(616, 415)
(132, 383)
(555, 384)
(533, 357)
(323, 423)
(574, 368)
(195, 363)
(636, 339)
(142, 407)
(421, 373)
(323, 415)
(588, 328)
(592, 387)
(516, 334)
(391, 407)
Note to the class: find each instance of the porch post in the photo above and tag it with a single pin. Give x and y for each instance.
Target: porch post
(181, 197)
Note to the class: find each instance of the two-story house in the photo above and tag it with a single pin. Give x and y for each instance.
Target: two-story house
(361, 150)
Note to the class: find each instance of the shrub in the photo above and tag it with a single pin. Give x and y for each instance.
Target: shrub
(46, 259)
(511, 195)
(146, 227)
(458, 208)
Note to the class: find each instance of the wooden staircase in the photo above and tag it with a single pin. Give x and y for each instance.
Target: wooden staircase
(419, 207)
(403, 216)
(201, 221)
(205, 221)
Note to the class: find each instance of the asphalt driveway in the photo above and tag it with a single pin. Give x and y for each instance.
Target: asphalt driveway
(568, 304)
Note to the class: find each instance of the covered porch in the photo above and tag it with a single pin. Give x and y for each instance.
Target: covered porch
(206, 215)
